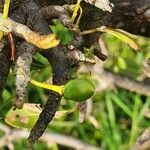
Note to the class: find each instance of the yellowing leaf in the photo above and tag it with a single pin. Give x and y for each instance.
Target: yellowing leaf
(122, 36)
(28, 115)
(25, 117)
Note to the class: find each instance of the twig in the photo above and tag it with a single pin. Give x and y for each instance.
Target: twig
(65, 140)
(22, 72)
(45, 118)
(109, 80)
(128, 83)
(146, 68)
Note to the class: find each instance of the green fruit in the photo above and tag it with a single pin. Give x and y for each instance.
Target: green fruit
(78, 89)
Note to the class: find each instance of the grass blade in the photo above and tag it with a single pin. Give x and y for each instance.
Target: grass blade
(135, 117)
(123, 106)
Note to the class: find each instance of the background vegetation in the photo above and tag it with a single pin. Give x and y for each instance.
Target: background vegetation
(118, 113)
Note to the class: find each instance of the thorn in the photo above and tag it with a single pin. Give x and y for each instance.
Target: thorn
(100, 55)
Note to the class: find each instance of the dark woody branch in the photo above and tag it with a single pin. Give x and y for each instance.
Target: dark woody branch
(5, 63)
(110, 80)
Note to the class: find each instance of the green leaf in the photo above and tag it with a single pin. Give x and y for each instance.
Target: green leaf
(63, 33)
(41, 59)
(6, 94)
(121, 63)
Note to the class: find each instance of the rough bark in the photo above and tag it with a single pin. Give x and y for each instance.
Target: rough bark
(4, 65)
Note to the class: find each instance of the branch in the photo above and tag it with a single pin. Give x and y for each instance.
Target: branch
(4, 64)
(109, 80)
(128, 83)
(61, 59)
(22, 72)
(45, 118)
(12, 135)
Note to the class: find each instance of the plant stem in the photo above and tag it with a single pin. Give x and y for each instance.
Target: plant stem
(90, 31)
(56, 88)
(5, 14)
(79, 18)
(117, 33)
(76, 10)
(6, 9)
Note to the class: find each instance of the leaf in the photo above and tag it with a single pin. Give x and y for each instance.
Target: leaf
(122, 36)
(120, 104)
(40, 58)
(41, 69)
(28, 115)
(63, 33)
(121, 63)
(6, 94)
(25, 117)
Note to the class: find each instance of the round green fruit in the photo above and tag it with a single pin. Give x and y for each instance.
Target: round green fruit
(79, 89)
